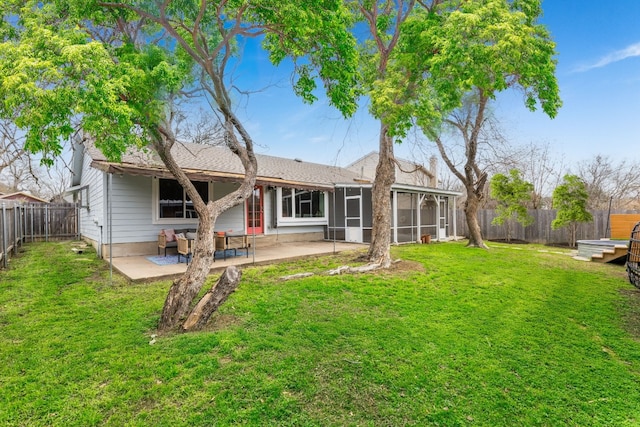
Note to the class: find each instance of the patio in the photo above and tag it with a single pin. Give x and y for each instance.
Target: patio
(141, 269)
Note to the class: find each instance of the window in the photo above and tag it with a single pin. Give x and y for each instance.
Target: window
(302, 205)
(173, 201)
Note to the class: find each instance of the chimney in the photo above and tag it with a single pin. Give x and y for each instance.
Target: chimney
(433, 168)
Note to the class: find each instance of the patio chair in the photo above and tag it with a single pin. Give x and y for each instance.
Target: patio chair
(222, 244)
(184, 248)
(166, 239)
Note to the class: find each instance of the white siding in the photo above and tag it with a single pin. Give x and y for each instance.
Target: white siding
(92, 216)
(131, 204)
(268, 210)
(232, 220)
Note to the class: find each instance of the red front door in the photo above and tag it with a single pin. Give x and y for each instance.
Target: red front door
(255, 212)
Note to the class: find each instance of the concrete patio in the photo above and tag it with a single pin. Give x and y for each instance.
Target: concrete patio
(140, 269)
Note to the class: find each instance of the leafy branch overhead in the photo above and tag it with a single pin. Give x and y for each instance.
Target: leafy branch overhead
(110, 67)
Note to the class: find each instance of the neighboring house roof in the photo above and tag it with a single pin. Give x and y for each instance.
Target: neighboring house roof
(407, 172)
(206, 162)
(21, 196)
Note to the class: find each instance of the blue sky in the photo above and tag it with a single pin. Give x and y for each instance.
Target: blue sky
(598, 45)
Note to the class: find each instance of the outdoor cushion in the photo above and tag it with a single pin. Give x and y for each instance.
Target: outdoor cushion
(191, 236)
(170, 234)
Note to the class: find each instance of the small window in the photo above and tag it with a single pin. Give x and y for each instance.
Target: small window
(309, 204)
(287, 203)
(174, 202)
(302, 203)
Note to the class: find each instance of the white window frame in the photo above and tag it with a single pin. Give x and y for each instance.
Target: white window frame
(155, 205)
(284, 221)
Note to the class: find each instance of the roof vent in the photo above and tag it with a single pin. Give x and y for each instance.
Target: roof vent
(298, 160)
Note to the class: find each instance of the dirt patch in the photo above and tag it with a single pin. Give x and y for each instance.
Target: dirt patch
(222, 321)
(510, 242)
(400, 267)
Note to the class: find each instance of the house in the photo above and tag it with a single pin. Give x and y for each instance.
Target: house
(125, 205)
(418, 207)
(21, 197)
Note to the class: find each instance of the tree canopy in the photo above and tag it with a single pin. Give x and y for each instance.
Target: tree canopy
(114, 68)
(457, 58)
(570, 199)
(512, 193)
(119, 71)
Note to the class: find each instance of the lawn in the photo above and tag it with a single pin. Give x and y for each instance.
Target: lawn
(450, 336)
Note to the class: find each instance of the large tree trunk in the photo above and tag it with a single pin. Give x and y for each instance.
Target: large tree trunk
(209, 303)
(379, 250)
(186, 288)
(471, 216)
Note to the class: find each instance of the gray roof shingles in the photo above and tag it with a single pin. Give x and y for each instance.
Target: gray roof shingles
(221, 159)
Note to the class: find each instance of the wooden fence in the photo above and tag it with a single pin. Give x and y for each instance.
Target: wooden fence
(20, 223)
(540, 231)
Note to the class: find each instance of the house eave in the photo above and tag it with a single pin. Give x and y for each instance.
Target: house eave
(202, 175)
(429, 190)
(403, 187)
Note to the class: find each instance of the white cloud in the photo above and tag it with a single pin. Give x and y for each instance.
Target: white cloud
(619, 55)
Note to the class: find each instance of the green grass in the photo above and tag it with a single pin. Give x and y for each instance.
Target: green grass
(452, 336)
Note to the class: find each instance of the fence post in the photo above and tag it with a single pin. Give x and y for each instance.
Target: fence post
(46, 223)
(77, 207)
(21, 223)
(5, 255)
(15, 229)
(32, 223)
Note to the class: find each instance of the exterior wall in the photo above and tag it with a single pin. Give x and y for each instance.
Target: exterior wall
(130, 202)
(234, 219)
(92, 217)
(135, 230)
(366, 166)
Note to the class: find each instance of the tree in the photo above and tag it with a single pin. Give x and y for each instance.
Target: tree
(477, 50)
(20, 170)
(609, 182)
(384, 22)
(570, 199)
(512, 193)
(11, 145)
(537, 163)
(119, 70)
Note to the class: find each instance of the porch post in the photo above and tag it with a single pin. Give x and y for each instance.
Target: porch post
(437, 218)
(455, 221)
(395, 216)
(334, 220)
(253, 220)
(419, 216)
